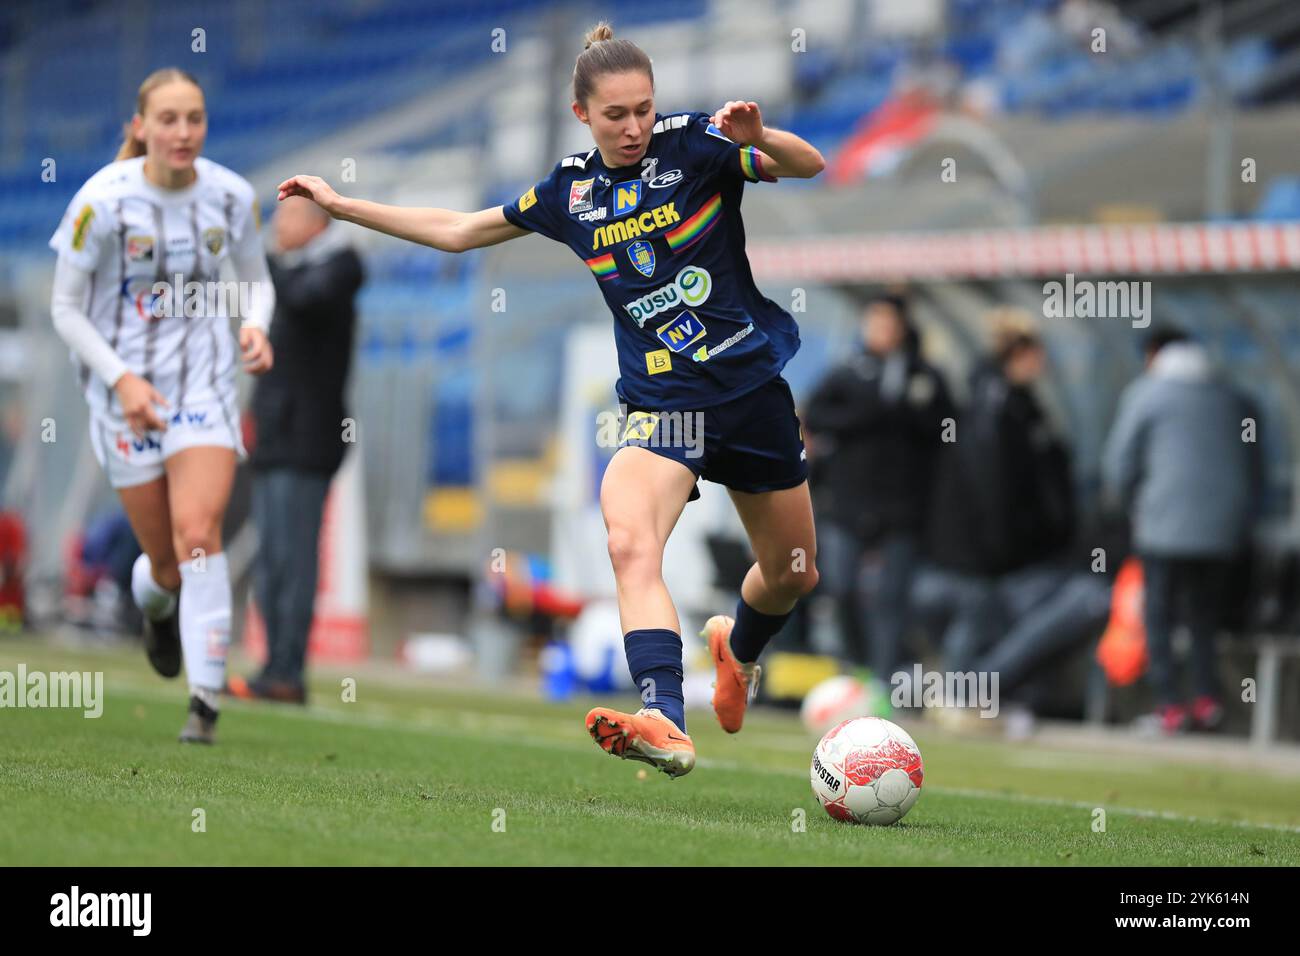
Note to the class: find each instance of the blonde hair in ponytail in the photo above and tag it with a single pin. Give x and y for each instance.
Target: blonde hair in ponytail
(602, 54)
(132, 147)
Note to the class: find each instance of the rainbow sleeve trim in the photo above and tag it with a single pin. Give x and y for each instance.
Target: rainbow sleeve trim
(603, 266)
(751, 164)
(694, 228)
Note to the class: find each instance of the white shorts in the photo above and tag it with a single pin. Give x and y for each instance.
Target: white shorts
(129, 460)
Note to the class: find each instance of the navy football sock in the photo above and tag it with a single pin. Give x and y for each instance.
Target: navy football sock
(654, 657)
(753, 630)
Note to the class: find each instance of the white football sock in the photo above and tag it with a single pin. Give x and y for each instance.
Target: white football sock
(151, 597)
(205, 620)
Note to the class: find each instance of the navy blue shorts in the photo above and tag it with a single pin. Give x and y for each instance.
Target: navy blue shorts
(753, 443)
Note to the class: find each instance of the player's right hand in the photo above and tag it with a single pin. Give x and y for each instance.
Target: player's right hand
(138, 399)
(311, 187)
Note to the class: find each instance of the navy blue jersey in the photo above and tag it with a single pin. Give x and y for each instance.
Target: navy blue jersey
(665, 240)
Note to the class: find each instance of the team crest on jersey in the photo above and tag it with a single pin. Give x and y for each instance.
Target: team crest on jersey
(139, 248)
(685, 330)
(214, 238)
(642, 255)
(580, 195)
(627, 196)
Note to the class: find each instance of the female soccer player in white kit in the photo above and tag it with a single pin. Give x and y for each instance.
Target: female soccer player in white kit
(137, 297)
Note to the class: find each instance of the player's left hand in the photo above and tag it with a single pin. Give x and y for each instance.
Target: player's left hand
(256, 350)
(740, 121)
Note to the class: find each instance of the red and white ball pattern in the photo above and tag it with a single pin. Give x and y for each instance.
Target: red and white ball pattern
(867, 770)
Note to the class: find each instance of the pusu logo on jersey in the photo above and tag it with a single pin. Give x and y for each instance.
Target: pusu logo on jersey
(691, 287)
(642, 255)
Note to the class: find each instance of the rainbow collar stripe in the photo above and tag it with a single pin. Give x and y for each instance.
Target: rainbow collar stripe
(603, 266)
(692, 229)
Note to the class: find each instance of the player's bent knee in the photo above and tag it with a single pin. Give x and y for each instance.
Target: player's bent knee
(808, 584)
(633, 552)
(794, 584)
(195, 537)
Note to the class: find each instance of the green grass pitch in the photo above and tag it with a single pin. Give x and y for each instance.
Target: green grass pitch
(415, 775)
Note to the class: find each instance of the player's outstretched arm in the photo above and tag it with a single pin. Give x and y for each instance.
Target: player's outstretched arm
(443, 229)
(784, 154)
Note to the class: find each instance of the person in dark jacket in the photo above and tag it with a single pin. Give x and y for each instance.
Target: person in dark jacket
(1002, 520)
(1004, 498)
(875, 422)
(302, 432)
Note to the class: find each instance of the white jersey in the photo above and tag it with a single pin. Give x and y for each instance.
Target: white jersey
(130, 234)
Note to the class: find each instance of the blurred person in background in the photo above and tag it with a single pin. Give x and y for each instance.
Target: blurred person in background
(159, 376)
(1004, 508)
(875, 422)
(1178, 461)
(298, 413)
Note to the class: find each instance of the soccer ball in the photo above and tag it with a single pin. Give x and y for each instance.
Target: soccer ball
(837, 699)
(867, 770)
(833, 701)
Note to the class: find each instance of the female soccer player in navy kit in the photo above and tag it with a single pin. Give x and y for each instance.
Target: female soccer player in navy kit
(654, 211)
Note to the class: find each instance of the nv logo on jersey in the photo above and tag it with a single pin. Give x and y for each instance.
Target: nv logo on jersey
(642, 255)
(627, 196)
(682, 331)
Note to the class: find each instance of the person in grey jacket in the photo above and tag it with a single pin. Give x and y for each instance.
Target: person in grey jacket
(1182, 460)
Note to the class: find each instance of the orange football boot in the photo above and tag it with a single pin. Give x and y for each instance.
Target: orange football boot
(647, 736)
(736, 683)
